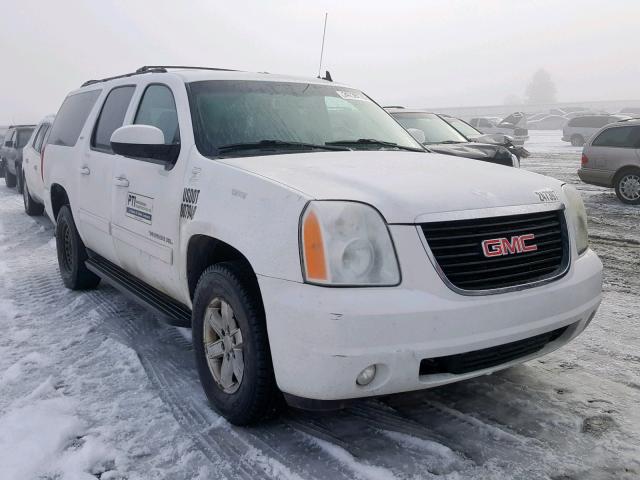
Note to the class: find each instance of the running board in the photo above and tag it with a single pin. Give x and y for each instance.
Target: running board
(175, 313)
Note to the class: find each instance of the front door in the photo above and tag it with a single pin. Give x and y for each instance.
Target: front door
(96, 174)
(147, 196)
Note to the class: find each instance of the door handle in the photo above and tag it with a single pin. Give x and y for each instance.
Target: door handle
(121, 182)
(85, 170)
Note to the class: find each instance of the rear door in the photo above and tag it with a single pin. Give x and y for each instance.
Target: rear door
(147, 195)
(96, 172)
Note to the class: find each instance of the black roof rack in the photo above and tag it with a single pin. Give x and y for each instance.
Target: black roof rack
(154, 69)
(21, 125)
(393, 106)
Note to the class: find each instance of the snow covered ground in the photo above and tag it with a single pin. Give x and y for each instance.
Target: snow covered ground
(92, 386)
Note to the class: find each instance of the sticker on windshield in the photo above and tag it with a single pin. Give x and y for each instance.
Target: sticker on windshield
(352, 95)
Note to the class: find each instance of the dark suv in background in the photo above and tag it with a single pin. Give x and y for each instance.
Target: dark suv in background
(14, 141)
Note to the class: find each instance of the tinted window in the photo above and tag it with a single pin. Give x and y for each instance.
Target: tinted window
(158, 108)
(39, 140)
(621, 137)
(24, 134)
(111, 116)
(71, 117)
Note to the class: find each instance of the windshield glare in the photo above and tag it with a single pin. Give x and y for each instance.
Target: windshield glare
(240, 112)
(435, 129)
(464, 128)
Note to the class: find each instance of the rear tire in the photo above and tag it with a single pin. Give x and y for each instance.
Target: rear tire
(72, 254)
(228, 316)
(9, 178)
(577, 140)
(31, 207)
(627, 185)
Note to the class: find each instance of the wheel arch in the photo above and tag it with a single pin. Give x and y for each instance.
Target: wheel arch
(59, 198)
(204, 251)
(624, 169)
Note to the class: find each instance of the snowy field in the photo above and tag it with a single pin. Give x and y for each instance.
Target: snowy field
(92, 386)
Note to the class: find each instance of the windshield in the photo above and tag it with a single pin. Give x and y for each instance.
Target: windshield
(23, 136)
(463, 127)
(269, 115)
(435, 129)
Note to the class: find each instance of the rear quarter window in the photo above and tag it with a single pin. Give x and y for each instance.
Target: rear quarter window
(71, 118)
(619, 137)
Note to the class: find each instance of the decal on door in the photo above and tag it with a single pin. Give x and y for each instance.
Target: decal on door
(189, 203)
(140, 207)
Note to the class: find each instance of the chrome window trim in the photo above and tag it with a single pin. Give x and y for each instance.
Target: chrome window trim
(490, 212)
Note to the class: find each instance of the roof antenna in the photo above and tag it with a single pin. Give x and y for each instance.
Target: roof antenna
(324, 32)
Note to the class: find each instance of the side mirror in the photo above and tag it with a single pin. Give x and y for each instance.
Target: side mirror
(417, 134)
(8, 144)
(144, 142)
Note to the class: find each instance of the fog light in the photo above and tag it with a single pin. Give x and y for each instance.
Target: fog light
(366, 376)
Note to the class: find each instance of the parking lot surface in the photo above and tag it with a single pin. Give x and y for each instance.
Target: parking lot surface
(109, 392)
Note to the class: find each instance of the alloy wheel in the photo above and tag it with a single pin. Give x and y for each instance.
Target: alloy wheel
(222, 339)
(630, 187)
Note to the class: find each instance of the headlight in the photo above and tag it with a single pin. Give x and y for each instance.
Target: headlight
(346, 243)
(578, 216)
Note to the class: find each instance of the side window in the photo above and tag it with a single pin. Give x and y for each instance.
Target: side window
(485, 123)
(158, 109)
(39, 141)
(111, 117)
(38, 136)
(620, 137)
(71, 118)
(24, 134)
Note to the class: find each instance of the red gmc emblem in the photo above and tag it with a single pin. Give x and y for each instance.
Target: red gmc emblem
(495, 247)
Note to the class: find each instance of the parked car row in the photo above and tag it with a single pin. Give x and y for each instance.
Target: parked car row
(317, 250)
(438, 135)
(514, 125)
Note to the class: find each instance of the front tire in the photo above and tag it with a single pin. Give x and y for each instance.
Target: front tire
(231, 344)
(627, 186)
(72, 254)
(31, 207)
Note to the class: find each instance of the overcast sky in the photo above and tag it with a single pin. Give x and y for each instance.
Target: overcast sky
(420, 53)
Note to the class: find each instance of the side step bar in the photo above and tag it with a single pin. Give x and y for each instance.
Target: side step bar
(174, 313)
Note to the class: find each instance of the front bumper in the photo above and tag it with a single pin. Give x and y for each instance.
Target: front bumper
(322, 338)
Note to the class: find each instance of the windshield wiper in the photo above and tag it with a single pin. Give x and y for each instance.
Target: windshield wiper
(276, 144)
(449, 142)
(373, 141)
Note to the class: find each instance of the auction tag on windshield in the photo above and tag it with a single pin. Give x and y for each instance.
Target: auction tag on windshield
(352, 95)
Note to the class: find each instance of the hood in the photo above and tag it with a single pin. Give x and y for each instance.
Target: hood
(516, 119)
(478, 151)
(402, 185)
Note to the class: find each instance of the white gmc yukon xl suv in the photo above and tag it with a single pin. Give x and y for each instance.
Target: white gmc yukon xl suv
(314, 247)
